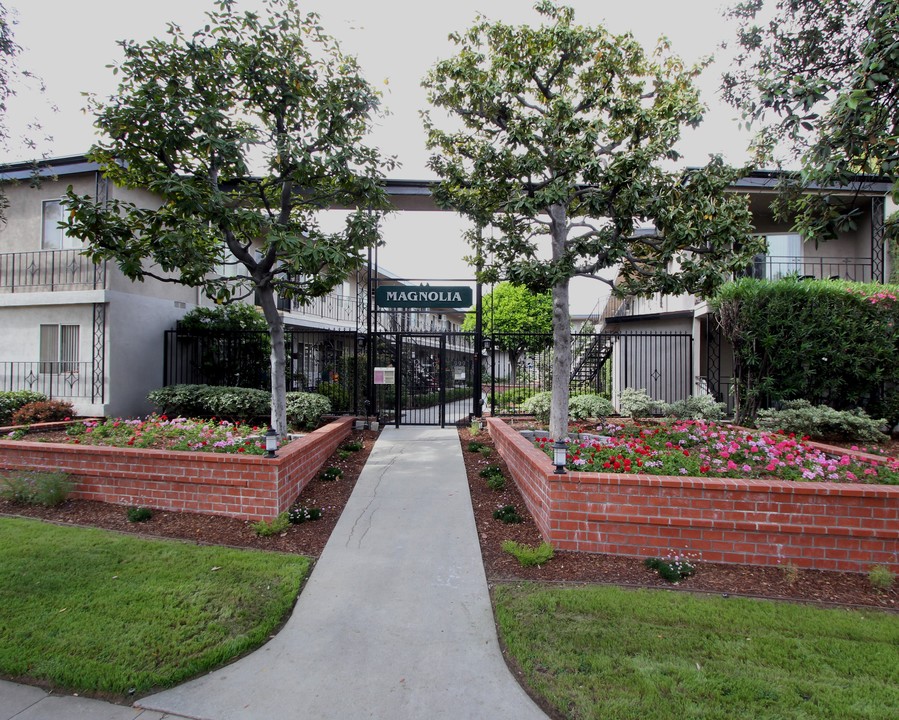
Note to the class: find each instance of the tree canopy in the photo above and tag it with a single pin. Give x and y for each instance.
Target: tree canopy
(820, 81)
(561, 141)
(245, 129)
(520, 319)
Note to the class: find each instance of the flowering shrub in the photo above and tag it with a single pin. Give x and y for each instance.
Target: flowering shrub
(672, 567)
(298, 514)
(43, 411)
(12, 400)
(158, 431)
(699, 449)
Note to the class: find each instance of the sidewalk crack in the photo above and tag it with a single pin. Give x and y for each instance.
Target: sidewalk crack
(365, 510)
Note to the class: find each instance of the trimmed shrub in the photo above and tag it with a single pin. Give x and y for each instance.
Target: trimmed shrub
(697, 407)
(238, 403)
(43, 411)
(635, 403)
(12, 400)
(211, 401)
(581, 407)
(838, 348)
(820, 422)
(179, 400)
(538, 405)
(139, 514)
(306, 409)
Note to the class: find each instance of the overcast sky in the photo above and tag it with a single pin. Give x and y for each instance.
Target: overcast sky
(68, 44)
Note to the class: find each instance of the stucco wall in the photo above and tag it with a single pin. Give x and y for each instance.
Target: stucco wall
(134, 356)
(22, 230)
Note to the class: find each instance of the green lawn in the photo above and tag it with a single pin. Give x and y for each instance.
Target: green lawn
(609, 653)
(100, 612)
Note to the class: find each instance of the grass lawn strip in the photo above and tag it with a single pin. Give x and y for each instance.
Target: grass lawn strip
(651, 655)
(102, 613)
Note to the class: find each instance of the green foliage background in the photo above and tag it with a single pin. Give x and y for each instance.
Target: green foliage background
(826, 341)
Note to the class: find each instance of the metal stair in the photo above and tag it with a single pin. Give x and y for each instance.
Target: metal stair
(588, 361)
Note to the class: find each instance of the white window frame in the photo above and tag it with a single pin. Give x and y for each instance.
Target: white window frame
(54, 237)
(59, 348)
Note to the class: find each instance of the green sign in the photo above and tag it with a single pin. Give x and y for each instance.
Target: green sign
(424, 296)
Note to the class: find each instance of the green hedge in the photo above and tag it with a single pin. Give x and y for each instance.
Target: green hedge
(304, 410)
(235, 403)
(826, 341)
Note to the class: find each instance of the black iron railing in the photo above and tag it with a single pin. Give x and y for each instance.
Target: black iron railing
(330, 362)
(341, 308)
(52, 270)
(514, 366)
(53, 379)
(776, 267)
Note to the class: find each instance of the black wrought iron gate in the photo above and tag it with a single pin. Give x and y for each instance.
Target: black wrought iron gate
(434, 378)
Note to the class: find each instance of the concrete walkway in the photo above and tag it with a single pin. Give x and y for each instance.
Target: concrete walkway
(395, 621)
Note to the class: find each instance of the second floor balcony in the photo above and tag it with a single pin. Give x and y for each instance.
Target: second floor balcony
(337, 308)
(777, 267)
(49, 271)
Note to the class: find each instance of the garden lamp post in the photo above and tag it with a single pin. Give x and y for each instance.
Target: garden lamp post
(271, 443)
(560, 452)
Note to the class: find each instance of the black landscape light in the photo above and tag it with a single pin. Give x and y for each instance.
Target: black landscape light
(560, 453)
(271, 443)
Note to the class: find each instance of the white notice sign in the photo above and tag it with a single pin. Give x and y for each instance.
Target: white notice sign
(385, 375)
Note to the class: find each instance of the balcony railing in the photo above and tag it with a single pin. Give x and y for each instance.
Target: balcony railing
(53, 379)
(340, 308)
(776, 267)
(52, 270)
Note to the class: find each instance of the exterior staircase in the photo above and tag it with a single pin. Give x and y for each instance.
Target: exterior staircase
(589, 360)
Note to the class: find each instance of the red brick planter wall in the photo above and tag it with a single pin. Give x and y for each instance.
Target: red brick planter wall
(828, 526)
(245, 486)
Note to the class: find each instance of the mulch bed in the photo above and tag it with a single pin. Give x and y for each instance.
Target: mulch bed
(309, 539)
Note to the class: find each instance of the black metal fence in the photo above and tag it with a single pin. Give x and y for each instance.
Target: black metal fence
(326, 362)
(521, 365)
(435, 374)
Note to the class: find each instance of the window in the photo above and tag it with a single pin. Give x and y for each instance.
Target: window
(784, 257)
(53, 237)
(59, 348)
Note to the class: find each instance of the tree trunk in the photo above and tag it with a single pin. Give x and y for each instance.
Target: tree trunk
(558, 413)
(266, 296)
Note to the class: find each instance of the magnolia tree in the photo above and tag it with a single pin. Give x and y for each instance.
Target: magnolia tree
(558, 144)
(245, 130)
(519, 320)
(820, 82)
